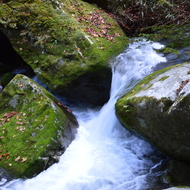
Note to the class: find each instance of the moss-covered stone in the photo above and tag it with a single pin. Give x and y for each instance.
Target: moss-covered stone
(35, 128)
(64, 41)
(158, 111)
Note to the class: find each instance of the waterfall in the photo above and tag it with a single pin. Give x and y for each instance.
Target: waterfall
(105, 156)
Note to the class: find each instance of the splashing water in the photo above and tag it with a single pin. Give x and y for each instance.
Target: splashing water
(105, 156)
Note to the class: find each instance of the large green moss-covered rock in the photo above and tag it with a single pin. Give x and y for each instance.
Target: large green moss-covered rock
(66, 43)
(158, 110)
(35, 129)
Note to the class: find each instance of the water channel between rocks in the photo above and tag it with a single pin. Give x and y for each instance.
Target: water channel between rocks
(105, 156)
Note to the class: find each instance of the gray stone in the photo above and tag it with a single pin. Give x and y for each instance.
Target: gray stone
(158, 110)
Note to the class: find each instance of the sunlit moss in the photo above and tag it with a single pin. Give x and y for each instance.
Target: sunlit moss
(31, 136)
(54, 38)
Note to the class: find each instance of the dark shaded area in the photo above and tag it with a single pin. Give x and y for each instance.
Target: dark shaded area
(91, 88)
(68, 113)
(4, 175)
(8, 56)
(177, 173)
(10, 60)
(101, 3)
(135, 17)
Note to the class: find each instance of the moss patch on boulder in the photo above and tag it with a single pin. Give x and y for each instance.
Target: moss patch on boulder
(157, 110)
(34, 130)
(63, 40)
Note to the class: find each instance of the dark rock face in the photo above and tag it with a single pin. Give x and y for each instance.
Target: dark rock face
(104, 4)
(177, 173)
(4, 175)
(92, 88)
(157, 109)
(9, 58)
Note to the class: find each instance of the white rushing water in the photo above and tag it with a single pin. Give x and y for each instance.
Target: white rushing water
(105, 156)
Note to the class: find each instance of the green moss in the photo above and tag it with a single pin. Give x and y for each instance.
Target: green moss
(30, 123)
(138, 108)
(163, 78)
(125, 110)
(177, 36)
(143, 83)
(149, 86)
(7, 77)
(64, 42)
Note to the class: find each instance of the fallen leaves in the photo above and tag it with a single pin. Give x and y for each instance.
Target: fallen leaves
(19, 123)
(63, 107)
(7, 117)
(10, 114)
(183, 83)
(20, 85)
(17, 117)
(5, 155)
(104, 27)
(17, 159)
(98, 26)
(22, 129)
(24, 160)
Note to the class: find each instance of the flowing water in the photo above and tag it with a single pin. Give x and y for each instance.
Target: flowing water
(105, 156)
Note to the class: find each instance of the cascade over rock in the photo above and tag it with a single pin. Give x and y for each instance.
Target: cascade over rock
(157, 109)
(130, 162)
(35, 128)
(66, 43)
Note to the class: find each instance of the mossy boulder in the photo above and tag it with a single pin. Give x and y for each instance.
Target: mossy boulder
(157, 110)
(35, 128)
(66, 43)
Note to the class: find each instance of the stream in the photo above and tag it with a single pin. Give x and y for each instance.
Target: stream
(105, 156)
